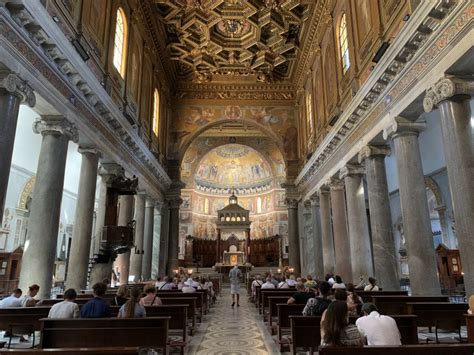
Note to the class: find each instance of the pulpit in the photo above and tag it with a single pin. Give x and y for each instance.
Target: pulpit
(234, 258)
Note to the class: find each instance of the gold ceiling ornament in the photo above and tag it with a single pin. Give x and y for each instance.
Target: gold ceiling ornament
(257, 38)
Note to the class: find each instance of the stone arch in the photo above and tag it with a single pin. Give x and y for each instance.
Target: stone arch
(431, 184)
(25, 195)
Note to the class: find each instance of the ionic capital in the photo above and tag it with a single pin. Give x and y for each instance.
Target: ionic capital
(336, 184)
(446, 88)
(315, 199)
(372, 151)
(351, 169)
(324, 189)
(88, 150)
(12, 83)
(109, 171)
(401, 126)
(56, 125)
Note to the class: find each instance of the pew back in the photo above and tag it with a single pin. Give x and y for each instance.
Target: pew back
(458, 349)
(397, 304)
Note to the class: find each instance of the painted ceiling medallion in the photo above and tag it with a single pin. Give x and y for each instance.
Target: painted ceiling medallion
(209, 39)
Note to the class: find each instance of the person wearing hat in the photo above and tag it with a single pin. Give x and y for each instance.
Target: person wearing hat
(234, 276)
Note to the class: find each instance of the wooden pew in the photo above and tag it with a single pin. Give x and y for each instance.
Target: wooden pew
(80, 301)
(201, 298)
(191, 302)
(284, 311)
(458, 349)
(396, 304)
(272, 310)
(105, 332)
(178, 323)
(367, 295)
(22, 316)
(469, 319)
(265, 293)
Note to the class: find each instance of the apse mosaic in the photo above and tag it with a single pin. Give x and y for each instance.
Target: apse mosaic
(279, 121)
(233, 166)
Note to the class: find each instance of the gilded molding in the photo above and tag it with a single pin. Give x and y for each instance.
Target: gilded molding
(446, 88)
(14, 85)
(56, 125)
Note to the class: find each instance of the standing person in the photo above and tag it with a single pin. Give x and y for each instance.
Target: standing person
(13, 300)
(67, 308)
(234, 276)
(97, 307)
(28, 299)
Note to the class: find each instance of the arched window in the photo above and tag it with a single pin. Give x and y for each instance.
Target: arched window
(344, 44)
(120, 45)
(156, 112)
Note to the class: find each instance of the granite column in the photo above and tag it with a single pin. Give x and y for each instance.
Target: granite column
(125, 216)
(78, 261)
(173, 241)
(329, 258)
(164, 237)
(385, 257)
(148, 239)
(415, 213)
(136, 254)
(317, 237)
(452, 96)
(42, 237)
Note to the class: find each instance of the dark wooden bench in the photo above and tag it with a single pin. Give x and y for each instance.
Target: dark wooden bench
(22, 320)
(469, 319)
(397, 304)
(147, 332)
(190, 302)
(76, 351)
(273, 311)
(367, 295)
(458, 349)
(201, 298)
(79, 301)
(178, 323)
(284, 311)
(265, 293)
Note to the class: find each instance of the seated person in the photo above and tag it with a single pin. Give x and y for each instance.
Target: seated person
(353, 300)
(165, 284)
(283, 283)
(316, 306)
(338, 282)
(372, 285)
(310, 283)
(335, 328)
(471, 305)
(151, 299)
(28, 299)
(121, 297)
(377, 329)
(301, 296)
(268, 283)
(291, 281)
(133, 308)
(96, 307)
(329, 278)
(13, 300)
(257, 282)
(188, 286)
(66, 308)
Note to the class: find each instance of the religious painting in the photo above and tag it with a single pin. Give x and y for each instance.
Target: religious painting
(263, 115)
(290, 143)
(232, 112)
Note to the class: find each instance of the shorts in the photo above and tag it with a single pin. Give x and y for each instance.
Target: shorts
(234, 289)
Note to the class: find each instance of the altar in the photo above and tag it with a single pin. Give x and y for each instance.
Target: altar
(233, 258)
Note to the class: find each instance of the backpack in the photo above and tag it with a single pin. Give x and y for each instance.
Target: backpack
(320, 306)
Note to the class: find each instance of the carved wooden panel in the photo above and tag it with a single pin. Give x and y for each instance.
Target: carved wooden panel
(134, 69)
(95, 15)
(367, 28)
(329, 69)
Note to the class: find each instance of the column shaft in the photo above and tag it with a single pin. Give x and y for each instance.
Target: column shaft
(124, 218)
(294, 257)
(458, 138)
(317, 236)
(173, 241)
(100, 216)
(148, 240)
(361, 252)
(164, 236)
(342, 245)
(40, 252)
(329, 258)
(414, 206)
(385, 257)
(136, 254)
(78, 261)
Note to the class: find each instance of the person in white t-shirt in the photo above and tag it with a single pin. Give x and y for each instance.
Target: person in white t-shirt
(283, 283)
(188, 286)
(376, 328)
(257, 282)
(66, 308)
(338, 283)
(268, 284)
(291, 281)
(13, 300)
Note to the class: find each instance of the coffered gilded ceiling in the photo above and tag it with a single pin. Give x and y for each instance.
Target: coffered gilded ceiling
(235, 40)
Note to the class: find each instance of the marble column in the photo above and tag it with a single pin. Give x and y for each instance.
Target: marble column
(40, 249)
(13, 92)
(173, 241)
(164, 236)
(342, 245)
(358, 226)
(452, 96)
(317, 237)
(78, 261)
(125, 216)
(294, 256)
(329, 258)
(385, 256)
(218, 246)
(148, 239)
(415, 213)
(136, 254)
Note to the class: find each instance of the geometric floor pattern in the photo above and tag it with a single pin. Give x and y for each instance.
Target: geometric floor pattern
(232, 331)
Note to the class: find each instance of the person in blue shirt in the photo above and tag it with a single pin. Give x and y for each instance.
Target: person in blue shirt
(97, 307)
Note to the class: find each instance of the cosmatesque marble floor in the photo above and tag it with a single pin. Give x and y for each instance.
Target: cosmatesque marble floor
(232, 331)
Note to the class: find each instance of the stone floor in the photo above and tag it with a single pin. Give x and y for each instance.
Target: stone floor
(232, 331)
